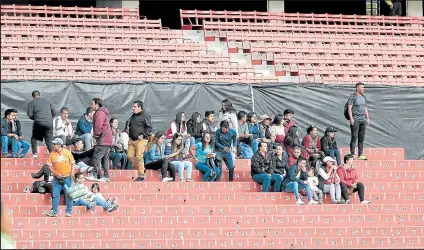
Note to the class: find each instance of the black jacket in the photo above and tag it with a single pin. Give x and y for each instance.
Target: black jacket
(140, 124)
(261, 165)
(328, 143)
(281, 166)
(193, 128)
(6, 127)
(41, 111)
(84, 156)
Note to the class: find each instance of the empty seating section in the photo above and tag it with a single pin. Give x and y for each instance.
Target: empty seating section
(194, 215)
(321, 48)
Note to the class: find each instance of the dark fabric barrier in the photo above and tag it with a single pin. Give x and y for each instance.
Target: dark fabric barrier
(396, 113)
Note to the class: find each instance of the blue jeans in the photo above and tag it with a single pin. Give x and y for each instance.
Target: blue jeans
(116, 158)
(202, 167)
(57, 187)
(335, 152)
(100, 202)
(181, 165)
(265, 180)
(82, 202)
(255, 146)
(294, 187)
(16, 146)
(228, 158)
(86, 139)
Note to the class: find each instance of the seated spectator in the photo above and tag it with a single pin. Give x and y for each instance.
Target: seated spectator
(202, 153)
(296, 180)
(226, 146)
(83, 159)
(85, 128)
(349, 180)
(174, 151)
(312, 144)
(11, 136)
(243, 128)
(292, 159)
(262, 169)
(44, 186)
(179, 125)
(331, 180)
(329, 144)
(195, 128)
(228, 113)
(82, 201)
(254, 129)
(317, 193)
(280, 161)
(62, 127)
(265, 122)
(116, 154)
(278, 130)
(95, 196)
(288, 121)
(154, 157)
(209, 124)
(291, 141)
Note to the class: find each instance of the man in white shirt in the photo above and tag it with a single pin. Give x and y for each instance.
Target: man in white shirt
(62, 127)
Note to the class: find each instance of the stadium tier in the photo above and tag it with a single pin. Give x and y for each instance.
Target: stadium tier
(60, 43)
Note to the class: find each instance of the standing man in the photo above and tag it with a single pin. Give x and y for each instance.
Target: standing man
(61, 164)
(41, 112)
(102, 134)
(225, 145)
(140, 128)
(359, 119)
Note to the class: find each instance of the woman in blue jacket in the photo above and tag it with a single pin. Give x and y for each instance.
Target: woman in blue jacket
(155, 159)
(255, 130)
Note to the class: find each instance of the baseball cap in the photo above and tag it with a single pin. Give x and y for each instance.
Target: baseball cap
(331, 129)
(328, 158)
(264, 117)
(57, 141)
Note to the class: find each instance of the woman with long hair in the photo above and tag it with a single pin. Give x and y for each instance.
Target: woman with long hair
(155, 159)
(116, 153)
(202, 152)
(228, 113)
(277, 129)
(175, 153)
(255, 130)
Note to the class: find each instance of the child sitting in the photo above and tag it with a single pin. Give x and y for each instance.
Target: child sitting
(98, 198)
(313, 183)
(82, 201)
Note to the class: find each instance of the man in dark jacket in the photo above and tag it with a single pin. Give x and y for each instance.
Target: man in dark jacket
(139, 131)
(41, 112)
(11, 135)
(102, 134)
(329, 145)
(262, 169)
(194, 128)
(83, 158)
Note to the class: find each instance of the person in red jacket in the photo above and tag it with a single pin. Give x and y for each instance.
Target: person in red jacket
(102, 134)
(349, 180)
(312, 144)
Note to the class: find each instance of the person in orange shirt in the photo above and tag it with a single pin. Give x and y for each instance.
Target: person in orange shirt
(61, 163)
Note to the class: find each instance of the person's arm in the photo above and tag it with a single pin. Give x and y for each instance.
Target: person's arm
(256, 164)
(98, 124)
(147, 127)
(83, 126)
(58, 126)
(4, 128)
(293, 176)
(30, 110)
(233, 119)
(342, 177)
(350, 103)
(152, 153)
(52, 110)
(306, 144)
(366, 114)
(324, 145)
(217, 143)
(356, 180)
(234, 138)
(389, 3)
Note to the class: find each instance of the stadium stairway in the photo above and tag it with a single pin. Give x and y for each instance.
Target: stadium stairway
(189, 215)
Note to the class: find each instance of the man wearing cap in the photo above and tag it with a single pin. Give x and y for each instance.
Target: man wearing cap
(329, 144)
(265, 121)
(61, 164)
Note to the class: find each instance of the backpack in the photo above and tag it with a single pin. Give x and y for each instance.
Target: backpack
(346, 109)
(246, 150)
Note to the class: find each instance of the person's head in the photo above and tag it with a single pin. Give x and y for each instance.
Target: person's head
(329, 161)
(242, 116)
(251, 117)
(206, 138)
(312, 130)
(225, 126)
(35, 94)
(64, 113)
(301, 164)
(89, 113)
(263, 147)
(10, 114)
(177, 139)
(96, 103)
(331, 132)
(210, 115)
(114, 123)
(288, 114)
(78, 144)
(296, 152)
(278, 120)
(180, 118)
(79, 178)
(137, 107)
(360, 88)
(95, 188)
(159, 138)
(227, 106)
(311, 172)
(57, 144)
(279, 150)
(266, 120)
(198, 117)
(348, 160)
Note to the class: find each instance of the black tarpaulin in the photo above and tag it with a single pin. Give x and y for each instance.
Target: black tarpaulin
(396, 113)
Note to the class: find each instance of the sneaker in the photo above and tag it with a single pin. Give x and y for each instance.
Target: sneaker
(320, 202)
(113, 208)
(139, 178)
(362, 157)
(21, 156)
(347, 202)
(341, 202)
(90, 178)
(114, 201)
(167, 179)
(90, 169)
(93, 205)
(189, 180)
(68, 215)
(34, 156)
(312, 202)
(365, 202)
(7, 155)
(182, 180)
(103, 179)
(300, 202)
(51, 214)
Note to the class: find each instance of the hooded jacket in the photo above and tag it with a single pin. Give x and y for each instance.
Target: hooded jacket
(177, 127)
(101, 128)
(328, 143)
(195, 128)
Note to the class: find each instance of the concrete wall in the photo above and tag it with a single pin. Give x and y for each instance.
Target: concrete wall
(275, 5)
(414, 8)
(117, 4)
